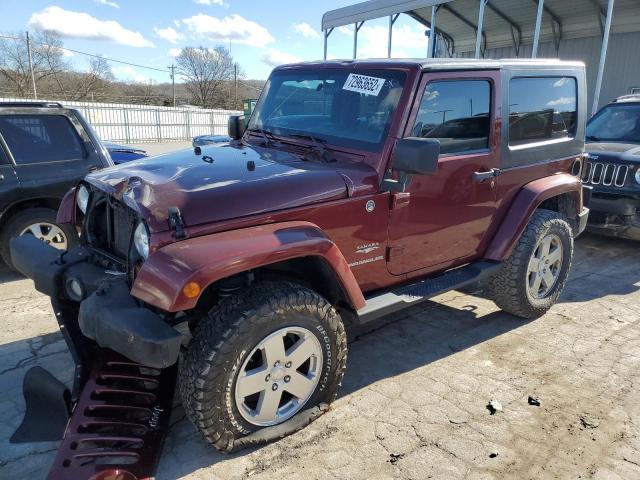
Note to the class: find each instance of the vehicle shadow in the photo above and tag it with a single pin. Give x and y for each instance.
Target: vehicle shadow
(7, 275)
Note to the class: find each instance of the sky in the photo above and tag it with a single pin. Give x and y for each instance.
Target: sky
(260, 34)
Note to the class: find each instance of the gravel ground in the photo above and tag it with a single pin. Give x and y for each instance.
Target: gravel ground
(414, 400)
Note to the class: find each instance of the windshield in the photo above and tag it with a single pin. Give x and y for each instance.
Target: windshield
(342, 108)
(616, 123)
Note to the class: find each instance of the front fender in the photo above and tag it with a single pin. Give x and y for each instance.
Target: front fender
(209, 258)
(67, 209)
(523, 206)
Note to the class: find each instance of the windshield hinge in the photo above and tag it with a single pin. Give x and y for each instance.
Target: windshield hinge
(176, 223)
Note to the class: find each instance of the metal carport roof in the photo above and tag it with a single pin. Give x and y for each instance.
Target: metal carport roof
(475, 25)
(458, 19)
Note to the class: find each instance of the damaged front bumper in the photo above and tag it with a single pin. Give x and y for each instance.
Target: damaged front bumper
(114, 421)
(106, 313)
(615, 216)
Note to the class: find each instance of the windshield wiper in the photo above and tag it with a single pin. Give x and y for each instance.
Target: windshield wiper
(592, 138)
(318, 143)
(266, 135)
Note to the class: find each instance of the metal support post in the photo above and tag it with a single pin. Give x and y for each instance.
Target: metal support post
(536, 35)
(603, 58)
(483, 3)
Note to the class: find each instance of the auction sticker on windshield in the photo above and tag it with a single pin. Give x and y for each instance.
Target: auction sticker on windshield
(363, 84)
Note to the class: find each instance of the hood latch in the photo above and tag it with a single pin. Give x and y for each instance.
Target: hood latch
(176, 223)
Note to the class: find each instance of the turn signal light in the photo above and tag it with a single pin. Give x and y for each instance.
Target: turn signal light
(191, 290)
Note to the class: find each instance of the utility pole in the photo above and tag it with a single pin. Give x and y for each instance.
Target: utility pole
(173, 81)
(33, 77)
(235, 81)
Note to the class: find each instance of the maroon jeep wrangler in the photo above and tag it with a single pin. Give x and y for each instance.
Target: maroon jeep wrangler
(358, 188)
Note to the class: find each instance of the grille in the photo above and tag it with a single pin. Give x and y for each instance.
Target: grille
(606, 174)
(122, 230)
(110, 225)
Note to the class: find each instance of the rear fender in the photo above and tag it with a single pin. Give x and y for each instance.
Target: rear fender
(523, 206)
(209, 258)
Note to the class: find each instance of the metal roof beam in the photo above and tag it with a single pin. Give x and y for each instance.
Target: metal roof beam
(552, 14)
(448, 38)
(512, 23)
(598, 6)
(505, 17)
(466, 21)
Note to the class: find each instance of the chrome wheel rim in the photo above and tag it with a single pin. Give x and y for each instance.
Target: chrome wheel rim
(279, 376)
(544, 266)
(49, 233)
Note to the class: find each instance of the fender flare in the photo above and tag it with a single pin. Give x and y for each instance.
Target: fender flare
(67, 209)
(209, 258)
(524, 205)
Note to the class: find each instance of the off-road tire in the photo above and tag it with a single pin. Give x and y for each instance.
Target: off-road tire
(508, 288)
(21, 220)
(224, 338)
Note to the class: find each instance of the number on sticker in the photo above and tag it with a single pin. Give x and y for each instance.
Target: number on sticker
(363, 84)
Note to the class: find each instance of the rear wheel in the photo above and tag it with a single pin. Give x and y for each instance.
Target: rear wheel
(39, 222)
(533, 277)
(259, 359)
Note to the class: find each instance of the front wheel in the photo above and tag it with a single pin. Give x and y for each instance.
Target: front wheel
(40, 223)
(533, 277)
(259, 359)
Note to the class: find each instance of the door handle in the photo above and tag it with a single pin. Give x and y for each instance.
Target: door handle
(480, 177)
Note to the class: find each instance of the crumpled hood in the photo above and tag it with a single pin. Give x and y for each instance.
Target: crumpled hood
(226, 182)
(624, 152)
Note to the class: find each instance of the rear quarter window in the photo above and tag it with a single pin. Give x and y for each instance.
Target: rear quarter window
(541, 109)
(33, 139)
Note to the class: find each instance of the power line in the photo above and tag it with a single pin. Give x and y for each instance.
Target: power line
(79, 52)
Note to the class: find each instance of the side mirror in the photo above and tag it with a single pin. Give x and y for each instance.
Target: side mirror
(236, 126)
(416, 155)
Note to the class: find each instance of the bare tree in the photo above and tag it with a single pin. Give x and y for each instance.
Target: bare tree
(205, 72)
(95, 81)
(47, 56)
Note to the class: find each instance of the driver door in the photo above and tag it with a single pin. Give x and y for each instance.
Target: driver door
(445, 219)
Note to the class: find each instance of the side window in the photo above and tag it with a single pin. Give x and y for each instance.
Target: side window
(457, 113)
(41, 138)
(541, 109)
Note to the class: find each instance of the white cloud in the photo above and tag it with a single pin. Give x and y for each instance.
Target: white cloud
(561, 101)
(69, 24)
(174, 52)
(107, 3)
(170, 34)
(234, 28)
(306, 30)
(274, 57)
(346, 30)
(128, 73)
(222, 3)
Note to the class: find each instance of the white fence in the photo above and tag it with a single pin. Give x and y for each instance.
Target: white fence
(120, 122)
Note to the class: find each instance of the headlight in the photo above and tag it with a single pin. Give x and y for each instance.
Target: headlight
(141, 240)
(82, 198)
(638, 175)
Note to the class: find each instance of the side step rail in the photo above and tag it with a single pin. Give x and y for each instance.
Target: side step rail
(402, 297)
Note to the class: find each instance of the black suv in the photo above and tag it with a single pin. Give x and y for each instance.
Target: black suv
(44, 150)
(613, 168)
